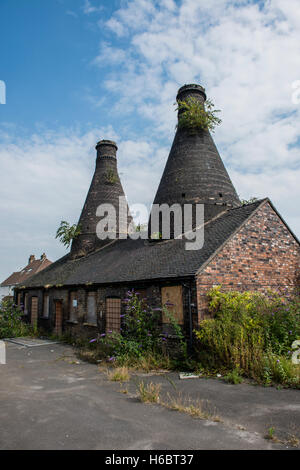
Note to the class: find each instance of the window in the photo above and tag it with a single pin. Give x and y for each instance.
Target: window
(172, 300)
(113, 315)
(73, 307)
(19, 299)
(91, 308)
(46, 306)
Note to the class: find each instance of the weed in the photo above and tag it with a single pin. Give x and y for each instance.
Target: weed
(271, 434)
(196, 409)
(252, 332)
(193, 115)
(233, 377)
(119, 374)
(149, 393)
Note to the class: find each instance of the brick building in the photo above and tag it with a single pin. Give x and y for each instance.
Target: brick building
(18, 278)
(245, 246)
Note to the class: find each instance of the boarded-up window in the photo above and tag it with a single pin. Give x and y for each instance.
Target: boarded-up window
(91, 308)
(73, 307)
(172, 300)
(58, 317)
(26, 304)
(113, 315)
(142, 294)
(46, 306)
(19, 299)
(34, 311)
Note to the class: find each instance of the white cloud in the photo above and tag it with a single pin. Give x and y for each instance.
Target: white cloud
(109, 54)
(247, 55)
(44, 179)
(88, 8)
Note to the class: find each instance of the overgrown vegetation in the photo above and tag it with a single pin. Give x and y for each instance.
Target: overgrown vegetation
(66, 233)
(249, 201)
(149, 393)
(141, 343)
(120, 374)
(249, 335)
(11, 324)
(252, 333)
(194, 116)
(196, 408)
(233, 377)
(111, 177)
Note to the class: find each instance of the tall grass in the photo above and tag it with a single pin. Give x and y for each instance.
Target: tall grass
(251, 332)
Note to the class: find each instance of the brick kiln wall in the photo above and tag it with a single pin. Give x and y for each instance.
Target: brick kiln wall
(263, 254)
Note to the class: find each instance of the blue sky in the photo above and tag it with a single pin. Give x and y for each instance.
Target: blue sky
(77, 71)
(47, 48)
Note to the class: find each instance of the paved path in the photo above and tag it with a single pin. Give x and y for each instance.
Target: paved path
(50, 400)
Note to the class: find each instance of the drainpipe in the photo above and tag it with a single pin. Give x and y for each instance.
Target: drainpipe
(190, 320)
(190, 317)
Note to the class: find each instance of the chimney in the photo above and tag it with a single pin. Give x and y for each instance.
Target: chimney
(31, 259)
(194, 172)
(43, 257)
(105, 188)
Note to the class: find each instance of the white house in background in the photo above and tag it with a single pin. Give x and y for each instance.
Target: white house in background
(34, 266)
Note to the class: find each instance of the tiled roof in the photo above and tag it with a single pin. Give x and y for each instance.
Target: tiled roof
(26, 273)
(138, 260)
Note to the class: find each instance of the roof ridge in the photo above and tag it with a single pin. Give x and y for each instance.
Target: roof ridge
(250, 204)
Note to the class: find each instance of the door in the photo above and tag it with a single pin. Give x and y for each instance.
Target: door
(34, 311)
(113, 315)
(58, 317)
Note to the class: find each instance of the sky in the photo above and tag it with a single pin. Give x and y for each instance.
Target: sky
(78, 71)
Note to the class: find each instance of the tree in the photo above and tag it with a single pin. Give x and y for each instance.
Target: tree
(66, 233)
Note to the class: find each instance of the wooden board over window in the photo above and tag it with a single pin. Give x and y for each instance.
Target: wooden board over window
(113, 312)
(34, 311)
(58, 317)
(172, 299)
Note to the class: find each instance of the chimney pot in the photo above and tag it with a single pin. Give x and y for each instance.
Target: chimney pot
(191, 90)
(43, 256)
(106, 148)
(31, 259)
(107, 143)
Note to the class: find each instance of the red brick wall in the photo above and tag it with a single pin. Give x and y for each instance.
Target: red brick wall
(262, 254)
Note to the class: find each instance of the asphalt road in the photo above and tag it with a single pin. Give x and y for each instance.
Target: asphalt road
(50, 400)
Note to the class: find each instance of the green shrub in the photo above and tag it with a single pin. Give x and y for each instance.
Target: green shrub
(11, 324)
(279, 369)
(252, 332)
(194, 115)
(234, 377)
